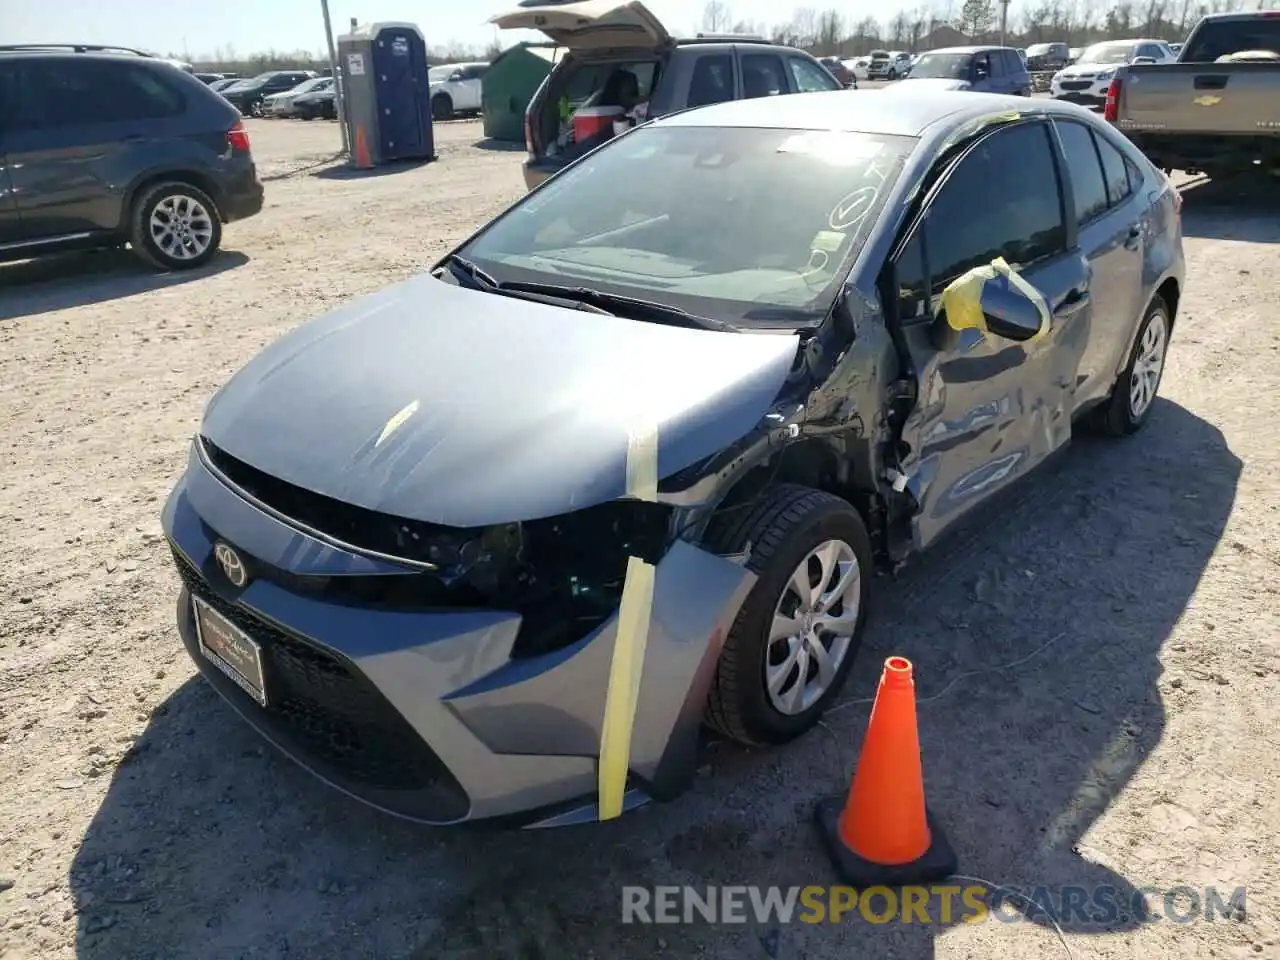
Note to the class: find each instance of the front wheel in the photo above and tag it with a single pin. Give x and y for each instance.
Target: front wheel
(1134, 394)
(893, 75)
(441, 107)
(175, 226)
(796, 636)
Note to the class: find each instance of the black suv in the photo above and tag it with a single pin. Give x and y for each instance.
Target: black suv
(101, 148)
(247, 95)
(627, 42)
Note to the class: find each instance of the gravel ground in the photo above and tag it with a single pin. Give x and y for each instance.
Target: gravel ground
(139, 819)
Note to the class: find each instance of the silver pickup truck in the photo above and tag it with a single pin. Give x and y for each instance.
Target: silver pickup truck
(1216, 110)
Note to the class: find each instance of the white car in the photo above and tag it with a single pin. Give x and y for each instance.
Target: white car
(282, 104)
(456, 88)
(858, 67)
(1086, 81)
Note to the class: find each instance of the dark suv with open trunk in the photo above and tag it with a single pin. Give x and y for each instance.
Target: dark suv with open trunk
(606, 44)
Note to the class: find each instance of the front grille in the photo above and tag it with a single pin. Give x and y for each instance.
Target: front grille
(330, 710)
(1076, 84)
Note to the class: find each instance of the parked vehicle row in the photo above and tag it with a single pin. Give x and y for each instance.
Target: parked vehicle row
(456, 88)
(977, 69)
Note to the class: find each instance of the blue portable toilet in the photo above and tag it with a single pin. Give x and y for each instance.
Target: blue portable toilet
(386, 94)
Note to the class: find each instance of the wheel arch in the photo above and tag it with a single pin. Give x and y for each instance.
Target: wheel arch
(814, 462)
(1169, 291)
(193, 178)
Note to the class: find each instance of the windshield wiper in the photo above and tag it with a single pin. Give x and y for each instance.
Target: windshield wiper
(587, 298)
(627, 306)
(478, 279)
(471, 272)
(790, 316)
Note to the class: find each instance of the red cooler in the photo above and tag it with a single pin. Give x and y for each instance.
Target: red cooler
(589, 121)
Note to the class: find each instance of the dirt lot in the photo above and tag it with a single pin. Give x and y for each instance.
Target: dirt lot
(140, 820)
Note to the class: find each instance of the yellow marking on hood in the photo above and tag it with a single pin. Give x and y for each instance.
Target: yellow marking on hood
(1208, 100)
(396, 422)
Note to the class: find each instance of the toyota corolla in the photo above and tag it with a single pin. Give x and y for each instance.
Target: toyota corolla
(496, 541)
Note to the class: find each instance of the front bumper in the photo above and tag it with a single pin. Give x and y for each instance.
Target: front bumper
(1089, 94)
(425, 714)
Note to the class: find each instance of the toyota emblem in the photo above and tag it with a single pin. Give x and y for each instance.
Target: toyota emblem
(231, 565)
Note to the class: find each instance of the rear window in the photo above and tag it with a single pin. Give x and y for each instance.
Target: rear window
(1221, 38)
(724, 222)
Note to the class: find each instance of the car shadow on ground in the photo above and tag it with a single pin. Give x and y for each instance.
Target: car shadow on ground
(1243, 208)
(499, 146)
(67, 280)
(209, 844)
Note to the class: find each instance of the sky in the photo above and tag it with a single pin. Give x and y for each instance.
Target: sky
(202, 26)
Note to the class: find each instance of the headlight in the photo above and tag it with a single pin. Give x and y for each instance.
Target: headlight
(1056, 77)
(1106, 76)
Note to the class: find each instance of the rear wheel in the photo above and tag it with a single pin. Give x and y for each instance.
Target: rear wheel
(1134, 394)
(441, 107)
(796, 635)
(175, 226)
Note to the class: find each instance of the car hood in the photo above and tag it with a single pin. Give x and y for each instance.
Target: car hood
(454, 406)
(931, 83)
(1077, 70)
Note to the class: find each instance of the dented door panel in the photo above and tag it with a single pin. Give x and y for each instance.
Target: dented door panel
(989, 410)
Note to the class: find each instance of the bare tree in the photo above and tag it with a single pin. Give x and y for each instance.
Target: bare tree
(976, 17)
(805, 26)
(716, 16)
(830, 32)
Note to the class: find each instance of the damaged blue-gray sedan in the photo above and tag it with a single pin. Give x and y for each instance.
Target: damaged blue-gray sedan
(497, 541)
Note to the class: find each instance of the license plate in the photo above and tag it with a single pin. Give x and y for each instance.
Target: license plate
(231, 650)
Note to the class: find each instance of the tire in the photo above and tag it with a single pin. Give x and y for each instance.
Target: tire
(180, 249)
(893, 75)
(441, 107)
(1121, 414)
(781, 529)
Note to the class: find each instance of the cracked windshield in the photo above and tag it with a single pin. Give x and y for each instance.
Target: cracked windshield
(737, 224)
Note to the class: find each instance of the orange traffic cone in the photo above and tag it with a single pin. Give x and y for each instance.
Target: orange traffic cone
(363, 160)
(883, 834)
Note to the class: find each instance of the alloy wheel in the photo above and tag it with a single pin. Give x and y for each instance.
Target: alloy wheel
(181, 227)
(1148, 365)
(813, 626)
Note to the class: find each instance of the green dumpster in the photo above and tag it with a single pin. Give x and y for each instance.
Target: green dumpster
(510, 83)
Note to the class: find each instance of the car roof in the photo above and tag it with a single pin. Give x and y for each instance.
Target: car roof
(904, 112)
(977, 48)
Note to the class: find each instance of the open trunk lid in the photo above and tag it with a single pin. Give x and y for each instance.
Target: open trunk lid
(588, 24)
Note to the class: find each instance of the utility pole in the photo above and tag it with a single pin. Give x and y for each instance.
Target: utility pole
(1004, 20)
(338, 88)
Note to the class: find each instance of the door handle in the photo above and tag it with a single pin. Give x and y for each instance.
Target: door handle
(1211, 82)
(1072, 302)
(1133, 237)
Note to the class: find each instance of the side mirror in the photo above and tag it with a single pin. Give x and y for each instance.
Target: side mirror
(455, 77)
(1138, 60)
(1008, 313)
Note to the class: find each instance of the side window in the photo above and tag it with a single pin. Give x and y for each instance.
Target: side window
(1115, 172)
(1084, 168)
(1135, 175)
(913, 295)
(713, 80)
(810, 77)
(1001, 201)
(67, 93)
(762, 76)
(1012, 63)
(981, 66)
(997, 64)
(474, 73)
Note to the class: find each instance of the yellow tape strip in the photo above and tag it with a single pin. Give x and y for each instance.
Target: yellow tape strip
(962, 299)
(632, 637)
